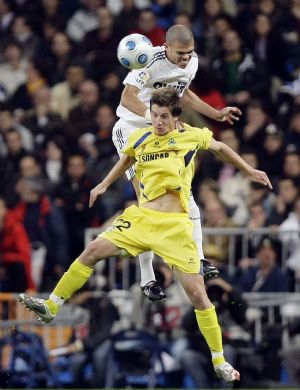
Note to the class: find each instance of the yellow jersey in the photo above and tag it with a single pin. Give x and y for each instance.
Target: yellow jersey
(166, 162)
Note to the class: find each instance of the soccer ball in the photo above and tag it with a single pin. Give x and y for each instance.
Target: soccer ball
(135, 51)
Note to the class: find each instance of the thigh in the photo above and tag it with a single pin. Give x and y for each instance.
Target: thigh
(129, 231)
(175, 244)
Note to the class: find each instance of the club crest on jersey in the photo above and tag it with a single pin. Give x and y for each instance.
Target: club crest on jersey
(172, 141)
(142, 77)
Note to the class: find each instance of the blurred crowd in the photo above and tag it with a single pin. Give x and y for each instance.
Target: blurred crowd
(60, 84)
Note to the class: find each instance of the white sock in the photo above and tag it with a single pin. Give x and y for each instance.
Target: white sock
(197, 230)
(147, 272)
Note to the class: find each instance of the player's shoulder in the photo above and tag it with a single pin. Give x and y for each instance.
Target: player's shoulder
(140, 132)
(159, 55)
(188, 128)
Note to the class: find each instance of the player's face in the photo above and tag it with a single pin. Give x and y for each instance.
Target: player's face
(162, 120)
(180, 54)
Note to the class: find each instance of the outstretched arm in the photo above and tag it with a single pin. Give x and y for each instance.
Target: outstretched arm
(226, 154)
(117, 171)
(229, 114)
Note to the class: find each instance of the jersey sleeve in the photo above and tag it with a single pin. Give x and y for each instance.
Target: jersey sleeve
(128, 148)
(204, 138)
(137, 78)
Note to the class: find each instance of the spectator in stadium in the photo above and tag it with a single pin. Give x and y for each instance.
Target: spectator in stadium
(13, 69)
(263, 273)
(65, 95)
(45, 226)
(54, 160)
(22, 32)
(72, 198)
(127, 17)
(215, 215)
(95, 346)
(268, 46)
(6, 18)
(15, 256)
(287, 193)
(41, 120)
(60, 56)
(35, 79)
(291, 164)
(83, 20)
(289, 233)
(147, 25)
(253, 132)
(82, 117)
(293, 136)
(100, 45)
(15, 149)
(8, 122)
(235, 190)
(239, 77)
(273, 152)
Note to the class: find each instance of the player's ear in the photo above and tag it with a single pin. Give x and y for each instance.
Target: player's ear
(165, 45)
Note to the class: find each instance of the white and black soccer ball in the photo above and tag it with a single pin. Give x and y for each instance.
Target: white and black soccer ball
(135, 51)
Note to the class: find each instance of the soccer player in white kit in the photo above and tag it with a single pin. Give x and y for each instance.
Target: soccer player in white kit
(173, 65)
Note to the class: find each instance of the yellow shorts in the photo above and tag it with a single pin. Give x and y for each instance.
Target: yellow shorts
(169, 235)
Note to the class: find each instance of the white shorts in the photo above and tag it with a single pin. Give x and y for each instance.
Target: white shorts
(120, 134)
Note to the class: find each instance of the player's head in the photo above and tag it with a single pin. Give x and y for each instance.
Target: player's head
(165, 106)
(179, 45)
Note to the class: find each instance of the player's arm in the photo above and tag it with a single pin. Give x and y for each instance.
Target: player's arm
(229, 114)
(130, 100)
(226, 154)
(117, 171)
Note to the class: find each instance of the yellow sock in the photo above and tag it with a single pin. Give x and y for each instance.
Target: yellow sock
(208, 324)
(71, 281)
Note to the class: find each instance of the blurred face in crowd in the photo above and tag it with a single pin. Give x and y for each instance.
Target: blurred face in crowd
(75, 76)
(297, 207)
(214, 212)
(61, 44)
(295, 122)
(258, 214)
(13, 53)
(13, 141)
(29, 167)
(229, 138)
(42, 96)
(262, 25)
(105, 117)
(266, 6)
(273, 143)
(20, 27)
(231, 42)
(93, 5)
(221, 25)
(287, 190)
(212, 8)
(76, 167)
(292, 165)
(6, 120)
(146, 21)
(256, 114)
(53, 152)
(105, 18)
(4, 8)
(266, 256)
(88, 91)
(184, 20)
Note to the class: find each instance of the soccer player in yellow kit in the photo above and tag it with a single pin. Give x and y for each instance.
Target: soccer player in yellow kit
(163, 156)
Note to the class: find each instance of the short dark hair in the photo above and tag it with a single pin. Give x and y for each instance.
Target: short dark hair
(167, 97)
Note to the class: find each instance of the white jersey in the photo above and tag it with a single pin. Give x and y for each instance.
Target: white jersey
(160, 72)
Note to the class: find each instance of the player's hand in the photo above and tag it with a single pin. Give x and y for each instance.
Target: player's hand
(95, 192)
(229, 114)
(260, 177)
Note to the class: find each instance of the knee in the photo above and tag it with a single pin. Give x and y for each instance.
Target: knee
(198, 296)
(93, 250)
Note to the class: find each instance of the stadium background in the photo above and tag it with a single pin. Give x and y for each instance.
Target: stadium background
(60, 84)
